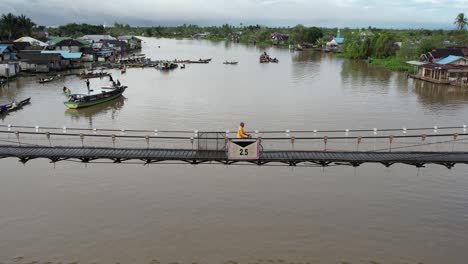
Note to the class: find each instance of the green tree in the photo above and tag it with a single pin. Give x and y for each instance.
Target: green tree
(461, 21)
(8, 25)
(149, 32)
(427, 45)
(299, 33)
(313, 34)
(384, 45)
(24, 25)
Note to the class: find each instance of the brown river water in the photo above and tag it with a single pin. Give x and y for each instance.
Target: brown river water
(106, 213)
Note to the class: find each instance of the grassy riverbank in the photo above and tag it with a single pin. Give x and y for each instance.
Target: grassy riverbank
(394, 64)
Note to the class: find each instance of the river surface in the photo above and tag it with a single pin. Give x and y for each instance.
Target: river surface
(106, 213)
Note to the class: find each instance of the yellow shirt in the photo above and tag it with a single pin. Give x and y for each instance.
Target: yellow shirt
(241, 133)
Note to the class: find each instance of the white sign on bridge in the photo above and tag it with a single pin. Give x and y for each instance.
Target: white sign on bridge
(243, 149)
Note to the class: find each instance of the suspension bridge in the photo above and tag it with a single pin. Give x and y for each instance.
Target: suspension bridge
(446, 146)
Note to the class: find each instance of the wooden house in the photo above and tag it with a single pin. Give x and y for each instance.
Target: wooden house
(96, 38)
(18, 45)
(119, 47)
(71, 45)
(35, 61)
(9, 69)
(438, 54)
(7, 52)
(455, 74)
(133, 42)
(278, 38)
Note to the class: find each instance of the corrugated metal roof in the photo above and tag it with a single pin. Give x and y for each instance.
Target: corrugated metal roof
(3, 48)
(84, 42)
(339, 40)
(65, 54)
(417, 63)
(57, 40)
(128, 38)
(96, 38)
(445, 66)
(33, 41)
(442, 53)
(448, 60)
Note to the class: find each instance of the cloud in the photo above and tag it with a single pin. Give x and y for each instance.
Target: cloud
(352, 13)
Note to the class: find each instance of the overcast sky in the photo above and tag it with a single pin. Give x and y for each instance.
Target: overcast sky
(330, 13)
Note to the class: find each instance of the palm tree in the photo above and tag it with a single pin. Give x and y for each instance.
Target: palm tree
(25, 25)
(461, 21)
(8, 23)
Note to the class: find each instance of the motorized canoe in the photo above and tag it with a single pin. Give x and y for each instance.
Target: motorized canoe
(83, 100)
(94, 75)
(14, 106)
(49, 79)
(198, 61)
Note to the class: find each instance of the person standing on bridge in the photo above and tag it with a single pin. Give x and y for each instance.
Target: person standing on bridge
(241, 133)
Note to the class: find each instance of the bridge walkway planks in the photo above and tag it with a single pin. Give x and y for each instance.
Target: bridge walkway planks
(86, 154)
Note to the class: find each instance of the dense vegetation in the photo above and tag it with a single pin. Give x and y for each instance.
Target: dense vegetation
(393, 48)
(254, 34)
(76, 30)
(390, 48)
(13, 27)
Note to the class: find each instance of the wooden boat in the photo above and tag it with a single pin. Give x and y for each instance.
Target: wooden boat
(274, 60)
(207, 60)
(198, 61)
(265, 58)
(83, 100)
(231, 62)
(181, 61)
(14, 106)
(135, 65)
(167, 66)
(94, 75)
(46, 80)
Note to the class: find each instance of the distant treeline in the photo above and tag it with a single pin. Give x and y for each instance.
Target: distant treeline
(245, 34)
(360, 43)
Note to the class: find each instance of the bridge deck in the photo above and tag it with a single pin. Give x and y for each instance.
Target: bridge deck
(86, 154)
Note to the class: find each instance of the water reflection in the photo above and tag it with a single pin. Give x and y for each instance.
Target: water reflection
(9, 91)
(307, 56)
(306, 65)
(433, 95)
(111, 109)
(357, 74)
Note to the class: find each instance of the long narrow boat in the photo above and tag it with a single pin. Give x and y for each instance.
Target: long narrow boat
(83, 100)
(231, 62)
(14, 106)
(198, 61)
(94, 75)
(50, 78)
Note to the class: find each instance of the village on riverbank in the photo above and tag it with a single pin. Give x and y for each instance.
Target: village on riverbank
(434, 56)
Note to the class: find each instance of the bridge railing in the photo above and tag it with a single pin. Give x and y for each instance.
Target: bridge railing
(445, 139)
